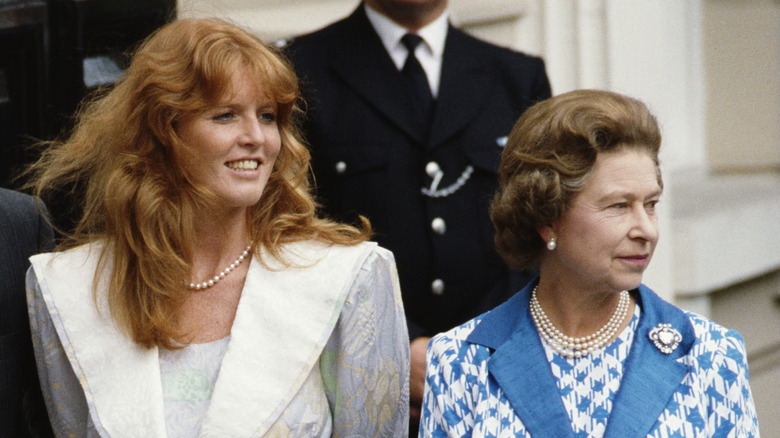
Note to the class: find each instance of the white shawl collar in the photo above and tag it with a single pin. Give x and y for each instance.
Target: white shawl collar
(283, 321)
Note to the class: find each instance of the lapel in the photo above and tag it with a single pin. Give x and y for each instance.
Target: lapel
(650, 377)
(363, 63)
(284, 319)
(520, 368)
(120, 380)
(268, 358)
(464, 88)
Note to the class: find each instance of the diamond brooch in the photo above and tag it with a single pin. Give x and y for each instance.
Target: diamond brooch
(665, 338)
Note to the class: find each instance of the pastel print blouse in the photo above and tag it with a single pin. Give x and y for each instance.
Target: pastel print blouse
(318, 349)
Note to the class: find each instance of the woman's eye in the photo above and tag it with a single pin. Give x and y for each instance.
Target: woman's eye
(268, 117)
(223, 117)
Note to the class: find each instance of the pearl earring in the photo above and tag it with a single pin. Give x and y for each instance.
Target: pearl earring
(551, 244)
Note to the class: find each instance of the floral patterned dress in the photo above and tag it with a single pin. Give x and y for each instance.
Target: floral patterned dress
(316, 350)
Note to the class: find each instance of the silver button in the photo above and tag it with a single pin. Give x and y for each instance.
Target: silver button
(437, 287)
(432, 169)
(341, 167)
(439, 226)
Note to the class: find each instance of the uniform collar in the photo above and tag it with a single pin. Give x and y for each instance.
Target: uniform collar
(429, 53)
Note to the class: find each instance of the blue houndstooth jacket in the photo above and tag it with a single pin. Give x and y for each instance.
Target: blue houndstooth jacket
(490, 378)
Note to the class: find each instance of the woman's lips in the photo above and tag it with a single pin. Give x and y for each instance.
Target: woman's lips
(636, 259)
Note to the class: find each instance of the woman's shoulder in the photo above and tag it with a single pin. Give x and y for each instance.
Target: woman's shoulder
(367, 247)
(709, 332)
(66, 272)
(709, 337)
(71, 258)
(715, 347)
(454, 342)
(311, 252)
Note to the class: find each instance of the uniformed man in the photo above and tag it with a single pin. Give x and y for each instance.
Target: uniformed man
(408, 131)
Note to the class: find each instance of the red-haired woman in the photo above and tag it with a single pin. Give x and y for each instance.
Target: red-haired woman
(200, 295)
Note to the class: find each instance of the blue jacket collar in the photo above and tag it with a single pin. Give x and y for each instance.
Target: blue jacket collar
(520, 367)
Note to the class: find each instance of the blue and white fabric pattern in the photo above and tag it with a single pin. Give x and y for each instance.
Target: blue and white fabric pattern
(588, 384)
(491, 377)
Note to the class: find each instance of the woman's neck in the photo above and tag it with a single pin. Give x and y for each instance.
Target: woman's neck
(208, 312)
(577, 311)
(218, 242)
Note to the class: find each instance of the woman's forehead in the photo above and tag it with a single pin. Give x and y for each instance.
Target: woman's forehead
(244, 83)
(624, 171)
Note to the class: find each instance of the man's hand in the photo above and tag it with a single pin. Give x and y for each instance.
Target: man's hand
(417, 376)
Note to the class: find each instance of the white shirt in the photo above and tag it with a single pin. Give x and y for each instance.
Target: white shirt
(429, 53)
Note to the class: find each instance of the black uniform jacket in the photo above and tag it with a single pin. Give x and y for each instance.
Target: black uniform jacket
(370, 158)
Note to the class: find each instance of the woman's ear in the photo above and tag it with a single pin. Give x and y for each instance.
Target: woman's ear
(546, 231)
(548, 235)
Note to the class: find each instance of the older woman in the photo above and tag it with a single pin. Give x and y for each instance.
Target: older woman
(200, 295)
(585, 350)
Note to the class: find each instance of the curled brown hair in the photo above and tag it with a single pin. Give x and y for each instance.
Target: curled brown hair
(549, 156)
(140, 203)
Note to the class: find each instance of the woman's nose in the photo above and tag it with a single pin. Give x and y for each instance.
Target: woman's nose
(253, 134)
(645, 224)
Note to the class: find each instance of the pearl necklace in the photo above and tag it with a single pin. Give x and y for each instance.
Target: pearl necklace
(578, 347)
(211, 282)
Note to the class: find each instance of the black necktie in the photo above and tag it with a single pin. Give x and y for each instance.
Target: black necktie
(417, 82)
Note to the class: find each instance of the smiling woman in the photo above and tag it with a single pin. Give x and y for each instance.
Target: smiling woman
(231, 148)
(585, 349)
(200, 295)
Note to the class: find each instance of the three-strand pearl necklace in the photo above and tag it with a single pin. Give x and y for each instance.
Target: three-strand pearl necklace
(578, 347)
(212, 281)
